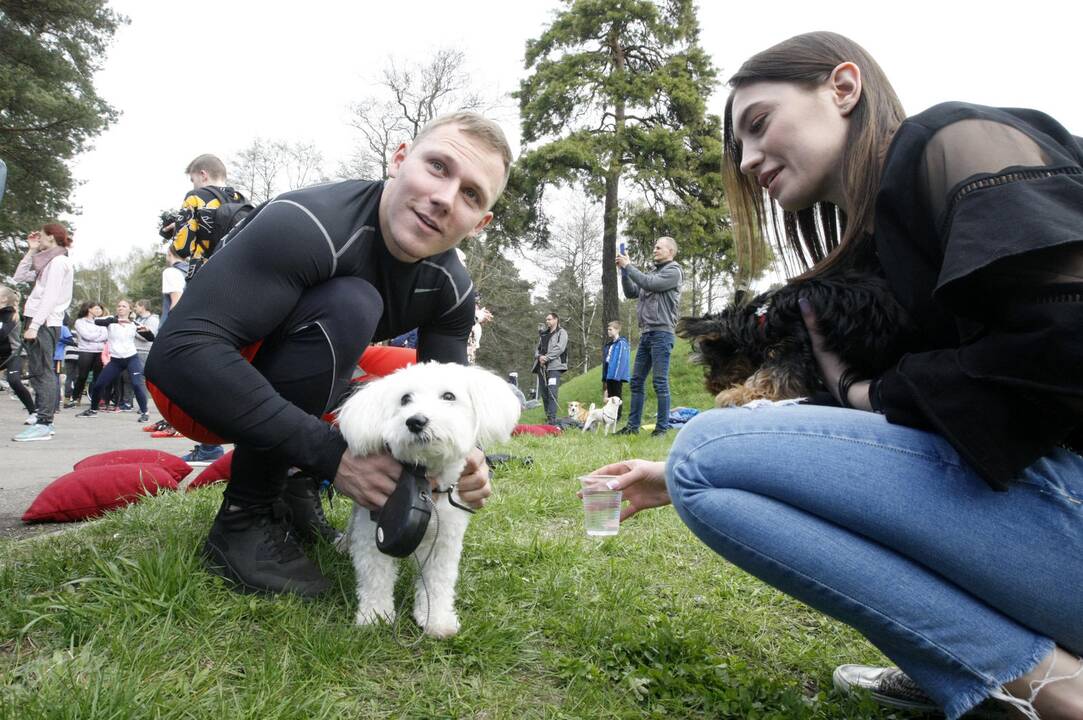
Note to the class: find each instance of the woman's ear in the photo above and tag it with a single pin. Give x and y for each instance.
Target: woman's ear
(845, 84)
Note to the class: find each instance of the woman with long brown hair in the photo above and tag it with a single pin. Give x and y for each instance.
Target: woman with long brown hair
(937, 508)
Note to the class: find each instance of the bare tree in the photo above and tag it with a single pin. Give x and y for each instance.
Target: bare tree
(573, 258)
(256, 170)
(302, 162)
(381, 128)
(408, 98)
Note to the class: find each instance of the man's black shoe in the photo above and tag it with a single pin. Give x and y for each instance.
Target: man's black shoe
(302, 497)
(627, 431)
(659, 432)
(253, 548)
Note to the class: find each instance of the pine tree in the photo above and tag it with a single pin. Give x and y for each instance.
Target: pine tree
(619, 90)
(49, 109)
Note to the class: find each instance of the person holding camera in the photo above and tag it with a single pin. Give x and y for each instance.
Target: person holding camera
(48, 266)
(550, 363)
(193, 238)
(659, 304)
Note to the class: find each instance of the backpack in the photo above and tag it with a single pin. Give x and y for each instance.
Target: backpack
(228, 215)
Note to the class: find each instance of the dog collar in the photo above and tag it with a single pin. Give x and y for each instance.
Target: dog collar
(761, 315)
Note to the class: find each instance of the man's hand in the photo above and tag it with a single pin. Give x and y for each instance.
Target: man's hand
(30, 334)
(367, 480)
(831, 365)
(543, 359)
(623, 261)
(474, 484)
(641, 482)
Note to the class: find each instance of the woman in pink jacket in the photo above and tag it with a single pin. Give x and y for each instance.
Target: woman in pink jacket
(47, 265)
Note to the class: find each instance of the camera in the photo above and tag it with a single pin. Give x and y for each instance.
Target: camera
(167, 218)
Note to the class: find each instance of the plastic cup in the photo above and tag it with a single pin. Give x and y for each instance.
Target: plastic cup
(601, 506)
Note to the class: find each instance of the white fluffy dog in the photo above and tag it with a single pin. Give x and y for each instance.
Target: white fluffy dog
(430, 414)
(606, 414)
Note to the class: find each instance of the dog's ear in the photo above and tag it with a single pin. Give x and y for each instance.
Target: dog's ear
(362, 417)
(495, 405)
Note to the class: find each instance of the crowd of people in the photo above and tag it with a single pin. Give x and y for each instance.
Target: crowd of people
(936, 508)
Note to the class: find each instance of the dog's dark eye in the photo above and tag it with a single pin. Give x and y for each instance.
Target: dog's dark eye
(406, 399)
(449, 396)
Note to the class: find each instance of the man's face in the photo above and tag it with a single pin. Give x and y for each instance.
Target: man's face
(199, 179)
(551, 322)
(663, 251)
(141, 310)
(614, 333)
(439, 192)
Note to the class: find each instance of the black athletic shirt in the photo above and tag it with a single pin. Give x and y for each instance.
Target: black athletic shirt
(251, 283)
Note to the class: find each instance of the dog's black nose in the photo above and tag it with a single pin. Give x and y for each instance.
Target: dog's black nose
(416, 423)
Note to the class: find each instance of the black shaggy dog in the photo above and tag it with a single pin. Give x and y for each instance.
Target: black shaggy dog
(759, 348)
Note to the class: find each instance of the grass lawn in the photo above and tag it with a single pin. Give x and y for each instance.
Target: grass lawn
(117, 619)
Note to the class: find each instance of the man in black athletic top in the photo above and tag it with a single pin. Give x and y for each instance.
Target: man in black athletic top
(315, 275)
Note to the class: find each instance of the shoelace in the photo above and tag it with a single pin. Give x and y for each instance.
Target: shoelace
(898, 684)
(276, 532)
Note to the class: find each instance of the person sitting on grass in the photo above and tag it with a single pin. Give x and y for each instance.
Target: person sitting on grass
(938, 508)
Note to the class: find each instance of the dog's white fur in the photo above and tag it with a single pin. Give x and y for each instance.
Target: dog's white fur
(464, 406)
(607, 415)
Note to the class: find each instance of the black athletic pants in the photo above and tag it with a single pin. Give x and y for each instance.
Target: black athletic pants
(309, 360)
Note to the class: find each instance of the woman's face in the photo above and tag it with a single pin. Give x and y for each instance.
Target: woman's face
(45, 240)
(123, 309)
(792, 140)
(96, 311)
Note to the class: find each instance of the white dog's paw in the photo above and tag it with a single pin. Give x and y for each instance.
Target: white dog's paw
(440, 625)
(370, 615)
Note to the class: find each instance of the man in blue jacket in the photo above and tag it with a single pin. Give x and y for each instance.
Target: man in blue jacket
(615, 357)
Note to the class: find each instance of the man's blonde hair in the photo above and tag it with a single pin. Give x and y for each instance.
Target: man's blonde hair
(210, 164)
(672, 243)
(480, 128)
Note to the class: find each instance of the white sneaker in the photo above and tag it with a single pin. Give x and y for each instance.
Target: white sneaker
(31, 419)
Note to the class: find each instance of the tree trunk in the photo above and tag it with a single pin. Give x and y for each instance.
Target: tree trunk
(610, 302)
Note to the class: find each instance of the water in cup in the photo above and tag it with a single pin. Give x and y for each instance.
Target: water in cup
(601, 506)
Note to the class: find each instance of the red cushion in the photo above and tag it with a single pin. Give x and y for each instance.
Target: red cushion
(376, 361)
(217, 471)
(538, 430)
(176, 467)
(180, 420)
(89, 492)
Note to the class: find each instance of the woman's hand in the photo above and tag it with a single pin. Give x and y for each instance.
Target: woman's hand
(641, 482)
(831, 365)
(33, 241)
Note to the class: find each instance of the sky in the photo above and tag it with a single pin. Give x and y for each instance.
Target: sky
(186, 85)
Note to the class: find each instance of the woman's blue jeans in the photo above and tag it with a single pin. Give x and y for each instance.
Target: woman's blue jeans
(887, 529)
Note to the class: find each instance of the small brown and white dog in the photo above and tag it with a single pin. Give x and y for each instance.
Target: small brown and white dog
(577, 412)
(432, 414)
(606, 415)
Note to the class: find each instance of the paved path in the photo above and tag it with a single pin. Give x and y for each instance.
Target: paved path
(26, 468)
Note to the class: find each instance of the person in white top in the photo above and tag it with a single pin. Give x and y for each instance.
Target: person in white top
(47, 265)
(90, 341)
(122, 356)
(174, 278)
